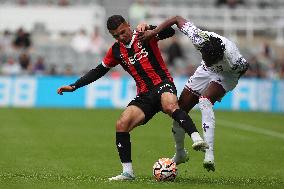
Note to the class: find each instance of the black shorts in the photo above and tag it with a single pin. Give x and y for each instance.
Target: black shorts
(150, 102)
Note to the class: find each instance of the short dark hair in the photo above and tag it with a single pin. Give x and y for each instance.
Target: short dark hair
(114, 21)
(213, 49)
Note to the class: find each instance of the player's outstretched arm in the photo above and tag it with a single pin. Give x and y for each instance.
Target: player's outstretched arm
(88, 78)
(177, 20)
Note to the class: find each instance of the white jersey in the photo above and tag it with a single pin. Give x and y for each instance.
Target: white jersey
(226, 72)
(232, 62)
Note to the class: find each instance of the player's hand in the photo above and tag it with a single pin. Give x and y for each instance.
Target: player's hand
(64, 89)
(142, 27)
(146, 35)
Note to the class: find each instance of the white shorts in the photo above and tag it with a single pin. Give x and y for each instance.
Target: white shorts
(201, 79)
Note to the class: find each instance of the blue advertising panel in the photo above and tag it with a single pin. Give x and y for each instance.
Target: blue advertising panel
(249, 95)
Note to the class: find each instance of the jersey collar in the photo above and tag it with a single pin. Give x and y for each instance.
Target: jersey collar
(132, 40)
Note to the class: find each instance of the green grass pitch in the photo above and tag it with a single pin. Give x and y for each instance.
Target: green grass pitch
(75, 148)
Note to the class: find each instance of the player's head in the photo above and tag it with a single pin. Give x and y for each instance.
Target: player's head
(212, 51)
(119, 29)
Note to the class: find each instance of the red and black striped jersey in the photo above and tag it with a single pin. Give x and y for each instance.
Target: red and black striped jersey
(143, 61)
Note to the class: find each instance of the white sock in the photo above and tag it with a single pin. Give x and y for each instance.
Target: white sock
(127, 167)
(178, 134)
(208, 126)
(209, 138)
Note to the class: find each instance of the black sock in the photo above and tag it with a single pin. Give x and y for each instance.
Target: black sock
(184, 121)
(123, 146)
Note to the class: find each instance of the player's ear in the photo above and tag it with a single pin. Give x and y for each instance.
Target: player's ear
(128, 24)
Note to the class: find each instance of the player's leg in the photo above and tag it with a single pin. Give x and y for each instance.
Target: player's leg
(213, 93)
(187, 101)
(129, 119)
(170, 106)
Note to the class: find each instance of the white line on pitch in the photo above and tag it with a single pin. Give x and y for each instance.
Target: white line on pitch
(247, 127)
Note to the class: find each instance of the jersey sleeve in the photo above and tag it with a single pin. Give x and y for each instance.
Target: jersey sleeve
(109, 60)
(196, 35)
(233, 55)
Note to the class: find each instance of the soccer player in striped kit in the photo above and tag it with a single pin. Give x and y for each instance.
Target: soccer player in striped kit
(221, 67)
(155, 88)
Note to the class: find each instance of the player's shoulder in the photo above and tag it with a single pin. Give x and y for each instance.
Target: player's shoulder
(115, 45)
(224, 39)
(229, 44)
(115, 50)
(232, 52)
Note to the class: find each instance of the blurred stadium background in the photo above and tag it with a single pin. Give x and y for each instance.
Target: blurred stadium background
(46, 43)
(54, 140)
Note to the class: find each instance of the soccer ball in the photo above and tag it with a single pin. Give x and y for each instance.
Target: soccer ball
(165, 169)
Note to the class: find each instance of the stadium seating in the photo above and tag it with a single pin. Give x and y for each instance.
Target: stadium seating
(264, 19)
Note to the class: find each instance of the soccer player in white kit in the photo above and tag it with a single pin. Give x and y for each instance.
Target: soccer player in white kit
(221, 67)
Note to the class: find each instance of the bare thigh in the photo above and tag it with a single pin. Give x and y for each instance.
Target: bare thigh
(130, 118)
(214, 92)
(187, 100)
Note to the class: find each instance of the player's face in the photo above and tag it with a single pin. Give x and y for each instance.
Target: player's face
(123, 33)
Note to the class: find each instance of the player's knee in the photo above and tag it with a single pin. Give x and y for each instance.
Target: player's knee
(121, 126)
(169, 109)
(205, 103)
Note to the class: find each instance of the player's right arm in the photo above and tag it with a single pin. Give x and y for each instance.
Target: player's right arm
(93, 75)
